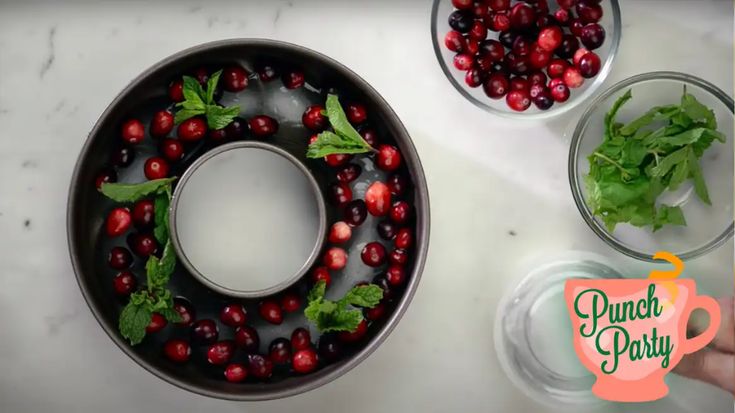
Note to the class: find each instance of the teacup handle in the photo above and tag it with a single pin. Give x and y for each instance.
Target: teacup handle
(712, 308)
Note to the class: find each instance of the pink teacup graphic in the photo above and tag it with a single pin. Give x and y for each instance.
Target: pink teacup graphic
(631, 332)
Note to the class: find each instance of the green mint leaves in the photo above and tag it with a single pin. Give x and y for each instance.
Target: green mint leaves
(344, 140)
(638, 161)
(134, 192)
(335, 315)
(198, 101)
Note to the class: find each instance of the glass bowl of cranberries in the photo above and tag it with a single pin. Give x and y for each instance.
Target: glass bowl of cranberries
(527, 59)
(231, 154)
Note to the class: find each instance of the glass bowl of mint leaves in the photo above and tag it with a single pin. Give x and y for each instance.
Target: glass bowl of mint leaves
(651, 165)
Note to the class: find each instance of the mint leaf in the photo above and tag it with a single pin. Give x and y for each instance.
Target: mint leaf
(668, 215)
(656, 113)
(338, 120)
(345, 320)
(133, 192)
(697, 111)
(185, 114)
(218, 117)
(134, 318)
(363, 296)
(336, 316)
(193, 91)
(317, 292)
(610, 126)
(212, 86)
(160, 210)
(158, 272)
(667, 163)
(171, 315)
(328, 143)
(700, 187)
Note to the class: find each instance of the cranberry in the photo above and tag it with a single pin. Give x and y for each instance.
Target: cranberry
(557, 67)
(478, 31)
(233, 315)
(321, 274)
(118, 221)
(589, 12)
(266, 72)
(313, 118)
(293, 80)
(461, 20)
(389, 159)
(172, 149)
(550, 38)
(463, 61)
(204, 331)
(521, 47)
(387, 230)
(593, 36)
(493, 48)
(578, 55)
(220, 352)
(576, 26)
(519, 83)
(538, 58)
(349, 172)
(561, 16)
(143, 245)
(124, 283)
(105, 177)
(377, 198)
(202, 76)
(304, 361)
(329, 348)
(566, 4)
(271, 312)
(473, 46)
(500, 22)
(560, 93)
(355, 212)
(356, 113)
(300, 339)
(518, 100)
(290, 302)
(382, 282)
(234, 78)
(133, 131)
(499, 5)
(496, 86)
(351, 337)
(263, 126)
(404, 239)
(589, 65)
(158, 322)
(337, 159)
(400, 212)
(177, 350)
(373, 254)
(555, 82)
(236, 129)
(519, 65)
(463, 4)
(340, 232)
(192, 129)
(536, 89)
(398, 256)
(335, 258)
(545, 21)
(375, 313)
(522, 16)
(397, 184)
(235, 373)
(543, 100)
(162, 123)
(247, 338)
(507, 38)
(185, 310)
(573, 78)
(340, 193)
(122, 157)
(395, 275)
(119, 258)
(537, 77)
(568, 47)
(156, 168)
(454, 41)
(279, 351)
(260, 367)
(143, 214)
(541, 6)
(474, 77)
(484, 63)
(176, 91)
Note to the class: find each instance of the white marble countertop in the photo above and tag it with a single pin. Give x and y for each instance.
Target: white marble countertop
(60, 65)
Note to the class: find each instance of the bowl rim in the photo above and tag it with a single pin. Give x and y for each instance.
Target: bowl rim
(421, 195)
(576, 141)
(553, 112)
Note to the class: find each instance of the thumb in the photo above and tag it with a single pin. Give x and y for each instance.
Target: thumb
(709, 366)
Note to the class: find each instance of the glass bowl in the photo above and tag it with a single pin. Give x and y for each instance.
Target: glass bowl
(707, 226)
(610, 21)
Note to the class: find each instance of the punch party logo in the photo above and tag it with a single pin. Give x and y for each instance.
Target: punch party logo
(631, 332)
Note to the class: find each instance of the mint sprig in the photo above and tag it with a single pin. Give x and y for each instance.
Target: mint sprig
(344, 140)
(198, 101)
(336, 315)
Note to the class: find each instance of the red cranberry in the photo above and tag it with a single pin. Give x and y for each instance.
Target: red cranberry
(122, 157)
(176, 91)
(518, 100)
(158, 322)
(349, 172)
(541, 6)
(217, 135)
(290, 302)
(536, 89)
(561, 16)
(260, 367)
(461, 20)
(340, 232)
(172, 149)
(400, 212)
(177, 350)
(356, 113)
(375, 313)
(404, 239)
(478, 31)
(351, 337)
(389, 159)
(118, 221)
(321, 274)
(313, 118)
(538, 58)
(192, 129)
(377, 199)
(507, 38)
(263, 126)
(271, 312)
(373, 254)
(589, 65)
(300, 339)
(566, 4)
(521, 47)
(555, 82)
(185, 310)
(293, 80)
(550, 38)
(234, 79)
(474, 77)
(519, 83)
(589, 12)
(395, 275)
(463, 4)
(496, 86)
(557, 67)
(133, 131)
(560, 93)
(247, 338)
(143, 245)
(484, 63)
(341, 193)
(330, 349)
(335, 258)
(382, 282)
(576, 26)
(537, 77)
(398, 184)
(236, 129)
(387, 230)
(522, 16)
(124, 283)
(156, 168)
(568, 47)
(354, 213)
(473, 46)
(279, 351)
(119, 258)
(143, 214)
(337, 159)
(266, 72)
(233, 315)
(105, 177)
(463, 61)
(304, 361)
(370, 136)
(519, 65)
(578, 55)
(593, 36)
(398, 257)
(454, 41)
(235, 373)
(202, 76)
(573, 78)
(204, 331)
(501, 22)
(220, 352)
(499, 5)
(162, 123)
(544, 21)
(493, 48)
(543, 99)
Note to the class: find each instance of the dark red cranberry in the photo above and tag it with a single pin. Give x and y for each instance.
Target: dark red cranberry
(348, 173)
(387, 230)
(217, 135)
(355, 212)
(143, 214)
(337, 159)
(473, 46)
(398, 184)
(573, 77)
(122, 157)
(576, 26)
(234, 79)
(395, 275)
(383, 283)
(370, 136)
(119, 258)
(589, 12)
(107, 176)
(463, 4)
(172, 149)
(536, 89)
(454, 41)
(314, 119)
(290, 302)
(404, 239)
(192, 129)
(305, 361)
(300, 339)
(538, 58)
(388, 159)
(247, 338)
(555, 81)
(589, 65)
(496, 86)
(158, 322)
(375, 313)
(568, 46)
(566, 4)
(377, 199)
(557, 67)
(185, 310)
(541, 6)
(263, 126)
(236, 129)
(118, 221)
(235, 373)
(204, 331)
(341, 193)
(522, 16)
(330, 349)
(560, 92)
(474, 77)
(176, 91)
(518, 100)
(266, 72)
(463, 61)
(398, 257)
(550, 38)
(220, 352)
(340, 233)
(356, 113)
(400, 212)
(133, 131)
(293, 80)
(519, 83)
(561, 16)
(593, 36)
(162, 123)
(124, 283)
(177, 350)
(578, 55)
(351, 337)
(260, 367)
(493, 48)
(499, 5)
(156, 168)
(335, 258)
(500, 22)
(202, 76)
(373, 254)
(537, 77)
(478, 31)
(271, 312)
(233, 315)
(507, 38)
(321, 274)
(279, 351)
(545, 21)
(518, 65)
(521, 47)
(461, 20)
(143, 245)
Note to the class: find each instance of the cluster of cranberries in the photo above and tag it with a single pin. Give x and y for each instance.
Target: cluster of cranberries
(537, 56)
